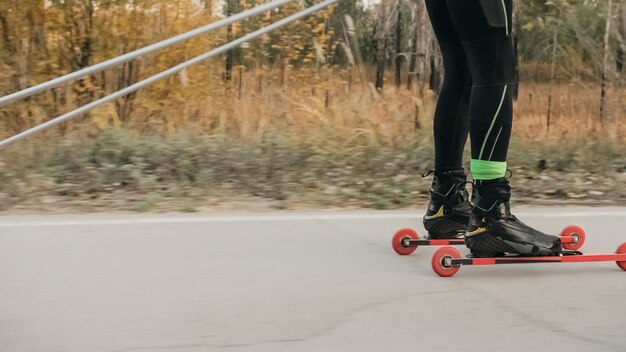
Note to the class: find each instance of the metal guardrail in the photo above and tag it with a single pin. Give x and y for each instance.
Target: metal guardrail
(140, 52)
(169, 72)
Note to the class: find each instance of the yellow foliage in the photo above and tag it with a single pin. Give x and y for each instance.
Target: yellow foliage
(105, 116)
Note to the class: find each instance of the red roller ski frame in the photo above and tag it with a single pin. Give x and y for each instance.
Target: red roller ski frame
(406, 241)
(447, 260)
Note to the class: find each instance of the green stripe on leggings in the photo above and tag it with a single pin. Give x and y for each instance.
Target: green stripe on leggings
(506, 17)
(493, 121)
(487, 170)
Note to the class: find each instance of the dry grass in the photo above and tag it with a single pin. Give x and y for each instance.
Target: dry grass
(574, 114)
(318, 138)
(326, 106)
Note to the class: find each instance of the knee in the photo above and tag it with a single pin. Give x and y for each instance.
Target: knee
(457, 73)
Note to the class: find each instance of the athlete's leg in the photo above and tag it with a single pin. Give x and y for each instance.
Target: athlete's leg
(484, 27)
(448, 212)
(451, 115)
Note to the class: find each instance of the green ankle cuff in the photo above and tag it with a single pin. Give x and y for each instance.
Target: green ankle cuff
(487, 170)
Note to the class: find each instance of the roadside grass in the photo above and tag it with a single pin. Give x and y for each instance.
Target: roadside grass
(313, 145)
(118, 170)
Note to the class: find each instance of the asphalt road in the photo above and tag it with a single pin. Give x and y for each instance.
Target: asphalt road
(324, 281)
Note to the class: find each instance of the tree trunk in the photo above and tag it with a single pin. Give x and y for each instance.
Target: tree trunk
(208, 7)
(420, 33)
(380, 43)
(620, 57)
(605, 48)
(552, 74)
(380, 64)
(516, 30)
(432, 82)
(436, 69)
(230, 54)
(10, 47)
(82, 40)
(353, 43)
(423, 45)
(398, 56)
(413, 57)
(126, 75)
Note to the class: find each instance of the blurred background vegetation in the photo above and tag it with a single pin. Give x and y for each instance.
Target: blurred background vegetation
(333, 110)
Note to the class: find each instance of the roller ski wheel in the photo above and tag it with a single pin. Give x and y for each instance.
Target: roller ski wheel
(621, 250)
(442, 261)
(573, 237)
(400, 241)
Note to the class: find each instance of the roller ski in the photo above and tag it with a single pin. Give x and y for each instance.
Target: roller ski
(495, 236)
(447, 261)
(492, 229)
(406, 241)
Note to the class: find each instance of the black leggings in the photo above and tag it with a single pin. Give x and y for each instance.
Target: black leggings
(479, 76)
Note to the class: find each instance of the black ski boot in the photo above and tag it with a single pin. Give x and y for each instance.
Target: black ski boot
(493, 231)
(449, 209)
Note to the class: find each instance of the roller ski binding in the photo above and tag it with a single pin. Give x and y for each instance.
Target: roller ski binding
(449, 208)
(493, 231)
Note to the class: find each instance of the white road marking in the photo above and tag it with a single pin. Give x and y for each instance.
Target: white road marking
(142, 219)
